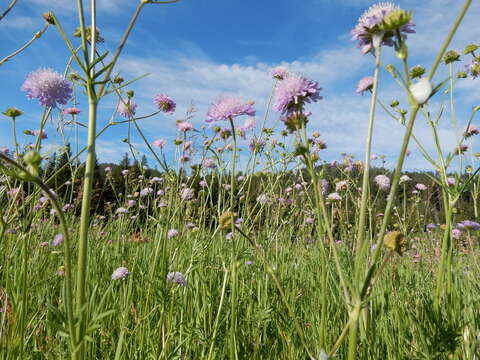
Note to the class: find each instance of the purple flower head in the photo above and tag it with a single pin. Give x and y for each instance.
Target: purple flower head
(456, 233)
(121, 210)
(172, 233)
(165, 103)
(473, 68)
(120, 273)
(71, 111)
(334, 197)
(203, 183)
(229, 107)
(382, 181)
(431, 227)
(294, 90)
(131, 203)
(160, 143)
(279, 73)
(256, 145)
(469, 225)
(309, 220)
(57, 240)
(451, 180)
(264, 200)
(177, 277)
(48, 87)
(127, 108)
(369, 25)
(365, 84)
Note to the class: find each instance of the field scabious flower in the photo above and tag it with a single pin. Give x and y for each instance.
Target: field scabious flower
(127, 108)
(382, 181)
(371, 27)
(293, 91)
(172, 233)
(404, 179)
(165, 103)
(71, 111)
(177, 277)
(48, 87)
(120, 273)
(421, 187)
(364, 84)
(57, 240)
(456, 233)
(229, 107)
(186, 194)
(334, 197)
(279, 73)
(470, 130)
(184, 126)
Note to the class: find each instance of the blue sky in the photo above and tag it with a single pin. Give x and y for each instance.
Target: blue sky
(196, 50)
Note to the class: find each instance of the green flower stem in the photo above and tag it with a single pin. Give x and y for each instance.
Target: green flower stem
(36, 36)
(67, 258)
(15, 141)
(368, 151)
(234, 158)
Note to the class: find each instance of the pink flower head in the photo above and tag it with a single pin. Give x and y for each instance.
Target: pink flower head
(172, 233)
(421, 187)
(127, 108)
(57, 240)
(293, 91)
(365, 84)
(229, 107)
(120, 273)
(249, 124)
(71, 111)
(184, 126)
(160, 143)
(48, 87)
(165, 103)
(43, 132)
(470, 130)
(186, 194)
(382, 181)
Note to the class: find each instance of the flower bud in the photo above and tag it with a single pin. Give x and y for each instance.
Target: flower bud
(470, 49)
(396, 19)
(227, 220)
(48, 16)
(451, 56)
(462, 75)
(417, 71)
(12, 112)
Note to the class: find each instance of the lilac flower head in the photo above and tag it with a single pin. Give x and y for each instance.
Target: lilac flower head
(127, 108)
(382, 181)
(209, 163)
(334, 197)
(456, 233)
(294, 90)
(404, 178)
(165, 103)
(120, 273)
(48, 87)
(431, 227)
(365, 84)
(451, 180)
(160, 143)
(249, 124)
(473, 68)
(369, 25)
(57, 240)
(177, 277)
(279, 73)
(341, 185)
(264, 200)
(229, 107)
(121, 210)
(469, 225)
(203, 183)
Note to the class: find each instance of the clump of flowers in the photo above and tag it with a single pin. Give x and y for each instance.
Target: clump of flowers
(229, 107)
(294, 91)
(120, 273)
(380, 23)
(48, 87)
(165, 103)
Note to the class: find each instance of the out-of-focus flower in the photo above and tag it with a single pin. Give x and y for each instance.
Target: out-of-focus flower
(293, 91)
(71, 111)
(131, 203)
(120, 274)
(279, 73)
(186, 194)
(421, 187)
(460, 149)
(184, 126)
(451, 180)
(172, 233)
(364, 84)
(473, 68)
(334, 197)
(264, 200)
(177, 277)
(48, 87)
(203, 183)
(121, 210)
(456, 233)
(341, 185)
(42, 132)
(160, 143)
(396, 241)
(146, 191)
(382, 181)
(229, 107)
(209, 163)
(125, 172)
(470, 130)
(165, 103)
(404, 178)
(469, 225)
(431, 227)
(57, 240)
(127, 108)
